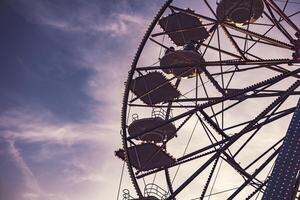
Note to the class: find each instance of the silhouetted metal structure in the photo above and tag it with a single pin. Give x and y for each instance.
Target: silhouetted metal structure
(182, 28)
(188, 56)
(240, 12)
(213, 107)
(153, 88)
(159, 135)
(285, 178)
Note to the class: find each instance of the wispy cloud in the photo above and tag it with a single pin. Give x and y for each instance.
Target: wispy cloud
(79, 172)
(30, 180)
(34, 127)
(115, 25)
(90, 18)
(121, 24)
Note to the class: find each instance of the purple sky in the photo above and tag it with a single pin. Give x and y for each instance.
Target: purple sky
(63, 67)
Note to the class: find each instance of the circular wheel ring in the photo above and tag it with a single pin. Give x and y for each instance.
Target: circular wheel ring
(126, 100)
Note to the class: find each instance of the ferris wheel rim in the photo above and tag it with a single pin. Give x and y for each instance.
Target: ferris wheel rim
(127, 90)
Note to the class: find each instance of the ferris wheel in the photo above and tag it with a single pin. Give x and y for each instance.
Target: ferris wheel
(211, 106)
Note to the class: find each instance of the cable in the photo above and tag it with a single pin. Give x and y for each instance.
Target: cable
(185, 149)
(215, 180)
(224, 191)
(121, 178)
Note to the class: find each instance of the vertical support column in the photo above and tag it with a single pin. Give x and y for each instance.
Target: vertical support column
(284, 175)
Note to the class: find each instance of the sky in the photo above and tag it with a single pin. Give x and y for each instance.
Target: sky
(63, 67)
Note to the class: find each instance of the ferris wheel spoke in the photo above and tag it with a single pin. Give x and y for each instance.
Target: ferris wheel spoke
(260, 36)
(258, 189)
(192, 177)
(237, 94)
(272, 118)
(252, 40)
(294, 14)
(216, 193)
(256, 86)
(207, 99)
(259, 40)
(205, 165)
(160, 44)
(208, 43)
(211, 10)
(266, 111)
(283, 97)
(213, 124)
(239, 69)
(208, 149)
(275, 93)
(276, 67)
(233, 42)
(241, 97)
(208, 179)
(287, 112)
(282, 14)
(185, 149)
(207, 131)
(163, 106)
(265, 33)
(257, 119)
(181, 30)
(272, 18)
(207, 96)
(184, 122)
(273, 147)
(284, 7)
(221, 50)
(261, 24)
(226, 63)
(279, 69)
(211, 136)
(237, 167)
(220, 59)
(204, 151)
(257, 171)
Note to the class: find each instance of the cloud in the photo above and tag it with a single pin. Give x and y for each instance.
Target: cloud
(30, 180)
(121, 24)
(117, 25)
(34, 127)
(79, 172)
(83, 17)
(63, 159)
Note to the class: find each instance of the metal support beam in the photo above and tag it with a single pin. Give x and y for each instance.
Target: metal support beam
(287, 165)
